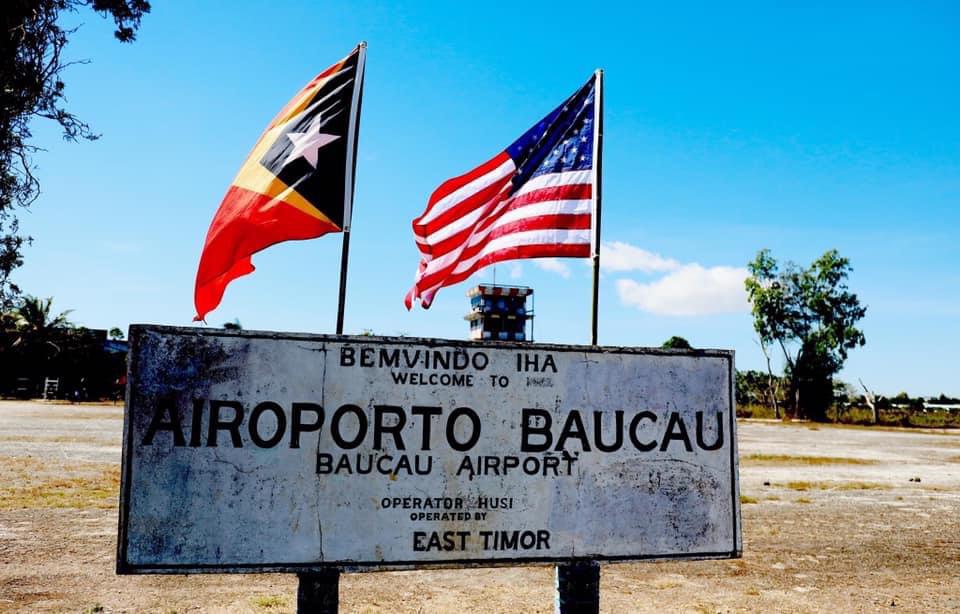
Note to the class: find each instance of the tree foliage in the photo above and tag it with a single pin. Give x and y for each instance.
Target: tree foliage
(31, 86)
(811, 315)
(757, 388)
(676, 343)
(35, 316)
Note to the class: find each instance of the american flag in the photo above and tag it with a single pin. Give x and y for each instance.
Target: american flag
(533, 200)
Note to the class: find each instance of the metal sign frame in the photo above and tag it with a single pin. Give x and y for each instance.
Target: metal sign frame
(138, 332)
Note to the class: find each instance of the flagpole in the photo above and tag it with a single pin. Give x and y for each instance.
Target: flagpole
(578, 581)
(352, 139)
(598, 168)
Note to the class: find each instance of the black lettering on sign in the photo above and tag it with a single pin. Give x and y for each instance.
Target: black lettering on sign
(536, 363)
(535, 422)
(347, 356)
(645, 446)
(232, 426)
(337, 434)
(389, 358)
(617, 429)
(516, 540)
(366, 357)
(573, 427)
(254, 426)
(298, 426)
(157, 423)
(436, 540)
(676, 431)
(380, 426)
(718, 442)
(195, 423)
(426, 413)
(474, 429)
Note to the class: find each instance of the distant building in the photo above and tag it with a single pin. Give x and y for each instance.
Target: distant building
(68, 363)
(500, 313)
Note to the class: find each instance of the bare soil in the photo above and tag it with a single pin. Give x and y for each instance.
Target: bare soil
(834, 519)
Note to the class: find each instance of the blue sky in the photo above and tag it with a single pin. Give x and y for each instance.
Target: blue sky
(728, 129)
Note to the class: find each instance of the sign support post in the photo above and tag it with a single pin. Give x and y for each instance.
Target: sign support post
(578, 583)
(318, 592)
(578, 588)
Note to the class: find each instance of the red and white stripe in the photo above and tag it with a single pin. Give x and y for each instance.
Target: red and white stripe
(473, 220)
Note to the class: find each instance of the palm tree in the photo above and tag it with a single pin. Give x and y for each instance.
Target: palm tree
(36, 345)
(8, 321)
(33, 316)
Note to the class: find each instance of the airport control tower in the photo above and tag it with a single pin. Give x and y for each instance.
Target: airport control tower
(500, 313)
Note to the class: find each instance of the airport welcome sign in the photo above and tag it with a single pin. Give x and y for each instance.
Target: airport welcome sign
(248, 451)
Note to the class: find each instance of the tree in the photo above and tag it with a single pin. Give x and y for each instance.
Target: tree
(33, 316)
(31, 86)
(116, 334)
(235, 325)
(34, 341)
(757, 387)
(676, 343)
(811, 315)
(773, 382)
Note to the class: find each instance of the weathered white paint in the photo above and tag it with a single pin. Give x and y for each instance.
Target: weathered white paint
(251, 508)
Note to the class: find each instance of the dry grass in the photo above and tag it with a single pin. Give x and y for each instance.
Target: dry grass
(56, 439)
(76, 492)
(270, 602)
(87, 415)
(803, 486)
(667, 581)
(745, 499)
(29, 483)
(928, 427)
(788, 459)
(804, 500)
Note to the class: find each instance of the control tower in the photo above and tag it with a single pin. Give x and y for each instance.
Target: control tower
(500, 313)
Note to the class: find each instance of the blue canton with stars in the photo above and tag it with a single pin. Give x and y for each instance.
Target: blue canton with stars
(561, 141)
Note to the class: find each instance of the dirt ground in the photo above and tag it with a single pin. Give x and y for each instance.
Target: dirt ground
(834, 519)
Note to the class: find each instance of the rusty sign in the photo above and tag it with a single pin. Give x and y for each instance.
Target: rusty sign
(248, 451)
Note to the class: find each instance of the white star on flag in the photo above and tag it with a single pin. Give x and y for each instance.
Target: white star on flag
(307, 144)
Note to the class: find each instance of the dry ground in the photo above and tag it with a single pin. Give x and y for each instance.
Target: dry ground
(834, 520)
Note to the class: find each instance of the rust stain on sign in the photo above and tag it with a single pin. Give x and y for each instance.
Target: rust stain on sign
(248, 451)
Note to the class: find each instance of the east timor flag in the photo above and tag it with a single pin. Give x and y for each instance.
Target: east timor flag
(297, 183)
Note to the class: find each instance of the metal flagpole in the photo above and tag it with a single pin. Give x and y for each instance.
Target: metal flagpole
(353, 136)
(578, 582)
(319, 591)
(598, 168)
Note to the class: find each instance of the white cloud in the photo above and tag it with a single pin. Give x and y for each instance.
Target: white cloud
(553, 265)
(690, 290)
(618, 256)
(516, 270)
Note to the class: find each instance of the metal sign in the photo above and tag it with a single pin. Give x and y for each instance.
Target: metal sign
(247, 451)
